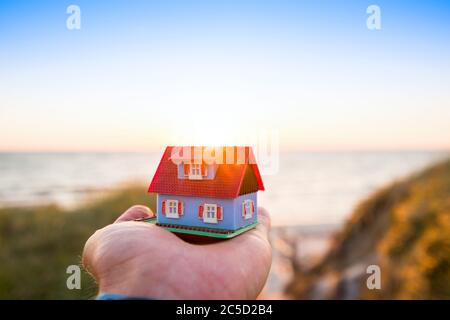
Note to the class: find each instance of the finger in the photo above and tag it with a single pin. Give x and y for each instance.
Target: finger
(264, 223)
(135, 212)
(253, 254)
(262, 228)
(260, 233)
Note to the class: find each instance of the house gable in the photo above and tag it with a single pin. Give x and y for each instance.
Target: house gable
(249, 183)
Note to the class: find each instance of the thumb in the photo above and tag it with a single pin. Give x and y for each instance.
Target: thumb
(135, 212)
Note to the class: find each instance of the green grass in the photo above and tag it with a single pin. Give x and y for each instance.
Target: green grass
(37, 244)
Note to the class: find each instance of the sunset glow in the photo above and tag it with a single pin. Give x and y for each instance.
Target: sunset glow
(194, 74)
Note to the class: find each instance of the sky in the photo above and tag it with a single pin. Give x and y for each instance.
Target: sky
(139, 75)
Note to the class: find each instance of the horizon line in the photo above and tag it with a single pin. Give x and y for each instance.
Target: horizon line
(286, 150)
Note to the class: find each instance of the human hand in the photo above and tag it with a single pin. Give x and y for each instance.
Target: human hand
(142, 259)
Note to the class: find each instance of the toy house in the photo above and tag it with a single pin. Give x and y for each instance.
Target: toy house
(214, 198)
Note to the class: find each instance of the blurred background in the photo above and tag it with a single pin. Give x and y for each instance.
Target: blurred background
(362, 119)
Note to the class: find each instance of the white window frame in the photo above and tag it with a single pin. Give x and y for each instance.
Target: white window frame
(210, 213)
(248, 205)
(195, 171)
(172, 209)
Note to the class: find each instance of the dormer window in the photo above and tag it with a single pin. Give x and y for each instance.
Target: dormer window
(194, 171)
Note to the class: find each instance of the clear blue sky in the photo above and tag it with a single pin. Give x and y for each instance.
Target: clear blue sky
(142, 74)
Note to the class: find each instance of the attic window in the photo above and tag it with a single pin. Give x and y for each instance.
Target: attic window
(194, 171)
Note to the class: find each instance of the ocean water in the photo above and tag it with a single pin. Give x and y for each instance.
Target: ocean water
(317, 188)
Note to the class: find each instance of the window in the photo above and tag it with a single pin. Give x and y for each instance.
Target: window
(210, 213)
(248, 209)
(172, 209)
(195, 171)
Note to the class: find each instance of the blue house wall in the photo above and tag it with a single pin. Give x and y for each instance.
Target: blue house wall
(239, 221)
(232, 211)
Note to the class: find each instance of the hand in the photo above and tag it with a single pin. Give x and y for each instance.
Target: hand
(142, 259)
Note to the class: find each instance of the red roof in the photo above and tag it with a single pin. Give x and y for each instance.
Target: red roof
(230, 181)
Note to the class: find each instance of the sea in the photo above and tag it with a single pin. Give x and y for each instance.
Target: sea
(309, 188)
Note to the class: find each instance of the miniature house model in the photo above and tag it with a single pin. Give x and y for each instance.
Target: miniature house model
(216, 198)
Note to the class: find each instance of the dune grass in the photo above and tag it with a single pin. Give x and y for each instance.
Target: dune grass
(37, 244)
(405, 229)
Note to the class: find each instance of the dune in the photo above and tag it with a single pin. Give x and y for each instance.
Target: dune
(404, 229)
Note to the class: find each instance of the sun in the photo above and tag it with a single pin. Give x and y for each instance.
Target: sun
(214, 131)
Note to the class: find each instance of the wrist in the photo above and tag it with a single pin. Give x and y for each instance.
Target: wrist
(129, 285)
(118, 296)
